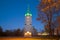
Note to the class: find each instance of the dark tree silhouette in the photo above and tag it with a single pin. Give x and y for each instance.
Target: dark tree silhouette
(1, 31)
(22, 32)
(58, 20)
(57, 24)
(34, 33)
(8, 33)
(18, 32)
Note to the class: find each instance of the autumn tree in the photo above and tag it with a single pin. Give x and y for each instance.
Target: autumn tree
(18, 32)
(46, 11)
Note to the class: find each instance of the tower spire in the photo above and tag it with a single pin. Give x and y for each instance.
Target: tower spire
(28, 11)
(28, 8)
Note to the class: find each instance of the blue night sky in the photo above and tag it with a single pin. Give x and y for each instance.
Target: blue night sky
(12, 14)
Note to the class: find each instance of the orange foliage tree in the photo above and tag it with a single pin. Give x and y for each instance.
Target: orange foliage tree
(46, 11)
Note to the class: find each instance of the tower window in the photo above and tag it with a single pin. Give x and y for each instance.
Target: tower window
(25, 24)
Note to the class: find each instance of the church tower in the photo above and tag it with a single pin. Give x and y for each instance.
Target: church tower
(28, 24)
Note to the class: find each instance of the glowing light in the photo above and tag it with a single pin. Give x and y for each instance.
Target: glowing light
(45, 33)
(28, 14)
(27, 34)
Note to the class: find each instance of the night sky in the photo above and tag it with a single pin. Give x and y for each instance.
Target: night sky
(12, 14)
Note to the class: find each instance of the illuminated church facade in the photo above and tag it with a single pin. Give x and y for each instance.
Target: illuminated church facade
(28, 29)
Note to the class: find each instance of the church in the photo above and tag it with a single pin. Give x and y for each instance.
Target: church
(28, 29)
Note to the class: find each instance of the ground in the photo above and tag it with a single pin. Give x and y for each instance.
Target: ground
(19, 38)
